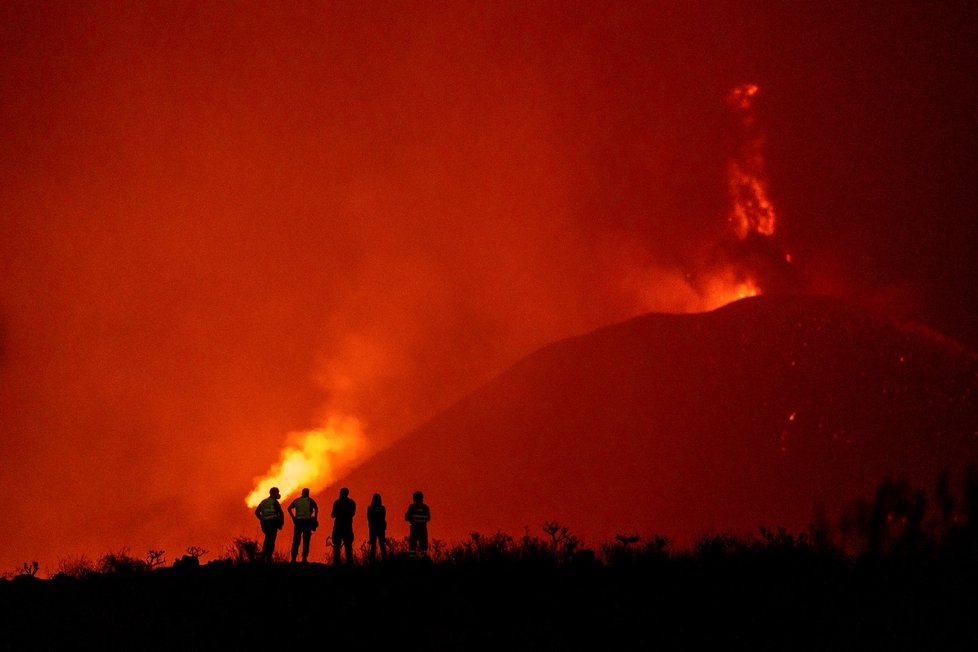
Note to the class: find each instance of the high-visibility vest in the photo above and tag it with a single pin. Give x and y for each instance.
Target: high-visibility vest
(303, 507)
(418, 514)
(266, 509)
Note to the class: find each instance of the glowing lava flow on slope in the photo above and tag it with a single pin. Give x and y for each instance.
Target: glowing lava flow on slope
(313, 459)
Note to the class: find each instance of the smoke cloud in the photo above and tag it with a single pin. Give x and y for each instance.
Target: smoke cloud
(223, 224)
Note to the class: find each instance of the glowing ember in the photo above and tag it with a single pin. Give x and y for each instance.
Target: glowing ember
(313, 458)
(740, 97)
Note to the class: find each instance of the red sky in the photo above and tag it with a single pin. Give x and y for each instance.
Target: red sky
(220, 222)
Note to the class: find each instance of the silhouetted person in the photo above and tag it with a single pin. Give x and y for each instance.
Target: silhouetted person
(305, 519)
(343, 510)
(270, 515)
(418, 516)
(377, 522)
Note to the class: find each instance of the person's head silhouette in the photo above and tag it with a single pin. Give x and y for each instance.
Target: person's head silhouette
(305, 492)
(418, 497)
(375, 500)
(344, 492)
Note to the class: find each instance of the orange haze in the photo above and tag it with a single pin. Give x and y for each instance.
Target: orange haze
(311, 458)
(221, 223)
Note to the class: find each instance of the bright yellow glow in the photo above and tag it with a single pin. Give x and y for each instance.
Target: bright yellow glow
(312, 458)
(725, 288)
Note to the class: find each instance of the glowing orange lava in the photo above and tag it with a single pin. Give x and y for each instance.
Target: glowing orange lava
(313, 458)
(751, 208)
(726, 288)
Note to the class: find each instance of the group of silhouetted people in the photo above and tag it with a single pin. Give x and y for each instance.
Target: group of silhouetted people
(305, 519)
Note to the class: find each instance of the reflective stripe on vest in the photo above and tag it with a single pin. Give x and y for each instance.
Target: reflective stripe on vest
(303, 507)
(419, 516)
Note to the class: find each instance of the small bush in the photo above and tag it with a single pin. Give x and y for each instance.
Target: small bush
(28, 569)
(120, 562)
(719, 546)
(155, 558)
(243, 550)
(76, 567)
(196, 552)
(484, 548)
(562, 541)
(623, 550)
(533, 549)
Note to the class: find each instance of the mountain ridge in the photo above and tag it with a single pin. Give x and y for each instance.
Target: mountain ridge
(761, 412)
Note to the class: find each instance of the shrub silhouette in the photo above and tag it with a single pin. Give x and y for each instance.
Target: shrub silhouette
(483, 548)
(534, 550)
(630, 548)
(155, 558)
(563, 542)
(29, 569)
(243, 550)
(76, 567)
(900, 522)
(121, 562)
(903, 579)
(195, 551)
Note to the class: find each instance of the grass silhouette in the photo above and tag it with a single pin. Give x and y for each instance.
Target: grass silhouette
(898, 571)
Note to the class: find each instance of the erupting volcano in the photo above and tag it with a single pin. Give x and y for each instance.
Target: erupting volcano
(761, 413)
(758, 407)
(749, 258)
(752, 259)
(246, 245)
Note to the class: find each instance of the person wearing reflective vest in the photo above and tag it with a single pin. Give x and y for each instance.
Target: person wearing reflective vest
(418, 516)
(269, 514)
(305, 519)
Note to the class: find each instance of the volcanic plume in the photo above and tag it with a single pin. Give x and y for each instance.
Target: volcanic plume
(756, 414)
(749, 260)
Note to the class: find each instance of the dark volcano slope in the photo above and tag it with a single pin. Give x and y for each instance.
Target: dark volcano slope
(750, 415)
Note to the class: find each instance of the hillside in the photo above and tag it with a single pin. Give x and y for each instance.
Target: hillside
(757, 413)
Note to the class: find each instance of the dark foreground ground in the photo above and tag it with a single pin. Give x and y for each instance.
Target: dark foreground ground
(772, 601)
